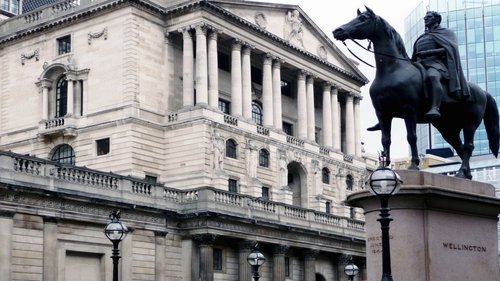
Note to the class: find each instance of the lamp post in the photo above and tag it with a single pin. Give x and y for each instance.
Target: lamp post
(384, 183)
(351, 270)
(116, 232)
(256, 259)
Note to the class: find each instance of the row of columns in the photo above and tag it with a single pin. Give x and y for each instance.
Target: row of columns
(206, 273)
(241, 90)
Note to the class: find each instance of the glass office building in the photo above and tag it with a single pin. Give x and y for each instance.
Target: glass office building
(477, 26)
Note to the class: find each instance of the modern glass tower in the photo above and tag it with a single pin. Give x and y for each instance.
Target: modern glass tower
(477, 26)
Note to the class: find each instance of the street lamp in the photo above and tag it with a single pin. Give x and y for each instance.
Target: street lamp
(256, 259)
(384, 183)
(116, 232)
(351, 270)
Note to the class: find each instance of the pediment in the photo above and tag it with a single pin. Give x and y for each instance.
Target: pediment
(291, 24)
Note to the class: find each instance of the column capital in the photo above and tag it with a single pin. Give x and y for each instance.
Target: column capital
(167, 35)
(267, 58)
(236, 44)
(310, 79)
(247, 244)
(280, 249)
(201, 29)
(277, 62)
(327, 86)
(246, 50)
(213, 34)
(186, 31)
(44, 83)
(205, 238)
(301, 74)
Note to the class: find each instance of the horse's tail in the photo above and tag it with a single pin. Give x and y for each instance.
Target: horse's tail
(491, 123)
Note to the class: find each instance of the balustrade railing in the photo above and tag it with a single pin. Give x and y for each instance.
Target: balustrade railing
(294, 141)
(230, 120)
(54, 123)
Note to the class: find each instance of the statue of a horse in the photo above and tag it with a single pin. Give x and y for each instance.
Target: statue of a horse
(398, 92)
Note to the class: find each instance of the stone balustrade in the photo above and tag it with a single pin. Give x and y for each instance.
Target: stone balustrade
(32, 172)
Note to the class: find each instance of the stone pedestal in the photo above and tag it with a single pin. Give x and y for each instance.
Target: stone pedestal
(444, 228)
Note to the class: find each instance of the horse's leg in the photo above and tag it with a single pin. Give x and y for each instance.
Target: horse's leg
(411, 137)
(385, 125)
(451, 134)
(468, 147)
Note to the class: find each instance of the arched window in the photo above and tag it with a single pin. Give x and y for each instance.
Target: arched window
(325, 175)
(264, 158)
(349, 181)
(257, 113)
(231, 148)
(64, 154)
(61, 97)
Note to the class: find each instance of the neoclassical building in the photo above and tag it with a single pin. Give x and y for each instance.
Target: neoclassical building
(211, 125)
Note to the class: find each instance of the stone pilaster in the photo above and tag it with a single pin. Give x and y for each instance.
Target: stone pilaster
(160, 256)
(310, 265)
(349, 126)
(213, 70)
(6, 225)
(187, 68)
(71, 95)
(267, 91)
(311, 120)
(205, 243)
(327, 115)
(279, 252)
(301, 105)
(201, 65)
(45, 85)
(335, 119)
(50, 248)
(277, 111)
(246, 82)
(244, 269)
(236, 87)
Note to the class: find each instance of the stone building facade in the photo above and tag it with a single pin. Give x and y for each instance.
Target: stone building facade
(211, 125)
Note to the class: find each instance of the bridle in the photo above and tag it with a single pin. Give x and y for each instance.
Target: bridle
(369, 49)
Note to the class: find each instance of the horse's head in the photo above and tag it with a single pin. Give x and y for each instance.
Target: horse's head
(361, 27)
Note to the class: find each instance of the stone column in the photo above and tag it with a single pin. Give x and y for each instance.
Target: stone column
(301, 105)
(357, 127)
(310, 265)
(246, 72)
(6, 224)
(167, 65)
(267, 91)
(349, 126)
(335, 119)
(46, 85)
(213, 70)
(244, 269)
(49, 248)
(327, 115)
(311, 120)
(201, 65)
(71, 95)
(187, 68)
(279, 252)
(277, 112)
(205, 242)
(160, 256)
(236, 99)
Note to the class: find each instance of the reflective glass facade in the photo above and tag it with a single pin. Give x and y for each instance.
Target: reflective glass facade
(477, 26)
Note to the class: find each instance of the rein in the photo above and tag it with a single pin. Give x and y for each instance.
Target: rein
(369, 50)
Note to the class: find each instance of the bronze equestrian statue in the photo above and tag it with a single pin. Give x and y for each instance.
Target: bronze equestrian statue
(430, 87)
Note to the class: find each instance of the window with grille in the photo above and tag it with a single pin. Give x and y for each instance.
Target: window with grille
(257, 113)
(264, 158)
(61, 97)
(232, 185)
(64, 45)
(328, 207)
(265, 193)
(287, 128)
(64, 154)
(218, 260)
(224, 106)
(231, 148)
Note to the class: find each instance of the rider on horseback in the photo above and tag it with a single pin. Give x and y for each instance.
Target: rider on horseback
(437, 51)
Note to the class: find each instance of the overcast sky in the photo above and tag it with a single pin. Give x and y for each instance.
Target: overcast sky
(329, 15)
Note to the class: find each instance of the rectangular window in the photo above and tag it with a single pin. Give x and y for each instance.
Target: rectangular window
(287, 267)
(328, 207)
(64, 45)
(217, 259)
(288, 128)
(224, 106)
(265, 193)
(224, 62)
(102, 146)
(232, 185)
